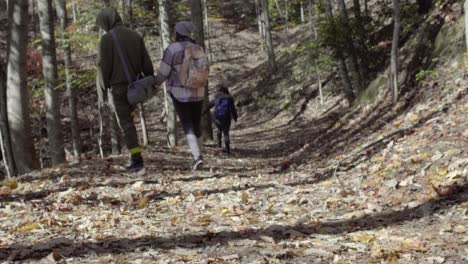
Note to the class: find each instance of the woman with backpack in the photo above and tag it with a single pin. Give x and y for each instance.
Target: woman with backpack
(183, 61)
(225, 109)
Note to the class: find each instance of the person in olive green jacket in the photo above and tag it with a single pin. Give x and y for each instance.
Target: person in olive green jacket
(113, 76)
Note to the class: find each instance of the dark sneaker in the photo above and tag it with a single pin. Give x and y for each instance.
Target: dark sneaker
(136, 165)
(197, 164)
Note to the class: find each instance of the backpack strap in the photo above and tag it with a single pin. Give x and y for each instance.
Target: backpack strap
(122, 58)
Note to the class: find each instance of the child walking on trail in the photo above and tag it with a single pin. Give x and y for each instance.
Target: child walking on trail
(225, 109)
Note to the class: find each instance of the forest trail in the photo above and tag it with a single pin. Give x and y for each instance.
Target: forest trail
(348, 186)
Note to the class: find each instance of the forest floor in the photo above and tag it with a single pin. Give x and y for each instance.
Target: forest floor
(375, 184)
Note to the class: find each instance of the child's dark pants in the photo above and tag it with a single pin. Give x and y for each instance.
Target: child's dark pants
(223, 128)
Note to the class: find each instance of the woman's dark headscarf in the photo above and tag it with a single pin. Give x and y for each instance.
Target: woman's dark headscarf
(108, 19)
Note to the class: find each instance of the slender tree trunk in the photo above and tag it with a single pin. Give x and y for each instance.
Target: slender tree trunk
(165, 23)
(261, 23)
(352, 49)
(197, 20)
(466, 23)
(74, 11)
(268, 38)
(144, 129)
(207, 30)
(113, 126)
(52, 96)
(361, 39)
(394, 54)
(278, 8)
(317, 71)
(5, 138)
(302, 13)
(343, 70)
(61, 6)
(130, 13)
(24, 152)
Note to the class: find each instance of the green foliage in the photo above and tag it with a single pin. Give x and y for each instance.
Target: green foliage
(333, 34)
(426, 75)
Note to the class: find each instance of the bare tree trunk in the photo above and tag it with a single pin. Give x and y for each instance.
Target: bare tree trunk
(5, 138)
(466, 23)
(165, 22)
(24, 152)
(261, 23)
(361, 39)
(268, 38)
(394, 54)
(352, 49)
(302, 12)
(100, 115)
(343, 70)
(75, 11)
(207, 30)
(317, 71)
(130, 14)
(61, 6)
(144, 129)
(278, 8)
(113, 126)
(197, 20)
(52, 97)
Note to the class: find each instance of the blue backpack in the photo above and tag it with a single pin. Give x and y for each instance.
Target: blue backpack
(222, 108)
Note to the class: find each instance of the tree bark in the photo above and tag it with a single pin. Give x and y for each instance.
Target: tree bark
(165, 24)
(261, 23)
(207, 30)
(466, 24)
(130, 14)
(197, 20)
(343, 70)
(61, 6)
(113, 126)
(52, 96)
(268, 38)
(24, 152)
(394, 53)
(302, 13)
(5, 137)
(144, 129)
(352, 49)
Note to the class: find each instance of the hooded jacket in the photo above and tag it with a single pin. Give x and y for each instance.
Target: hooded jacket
(133, 49)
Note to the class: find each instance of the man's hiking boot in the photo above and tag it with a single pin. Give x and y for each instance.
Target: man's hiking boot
(136, 164)
(197, 164)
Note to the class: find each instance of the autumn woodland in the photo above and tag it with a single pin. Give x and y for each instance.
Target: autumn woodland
(337, 133)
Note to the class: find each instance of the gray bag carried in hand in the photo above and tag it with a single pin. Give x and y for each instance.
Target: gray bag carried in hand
(140, 90)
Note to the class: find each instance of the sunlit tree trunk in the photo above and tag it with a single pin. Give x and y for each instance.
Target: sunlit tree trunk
(268, 38)
(61, 6)
(197, 20)
(466, 24)
(394, 54)
(261, 23)
(207, 30)
(24, 152)
(52, 96)
(165, 24)
(343, 70)
(5, 138)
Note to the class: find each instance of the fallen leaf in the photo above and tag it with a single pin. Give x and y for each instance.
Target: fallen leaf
(13, 184)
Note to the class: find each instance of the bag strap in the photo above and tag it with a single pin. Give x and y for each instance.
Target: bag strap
(122, 59)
